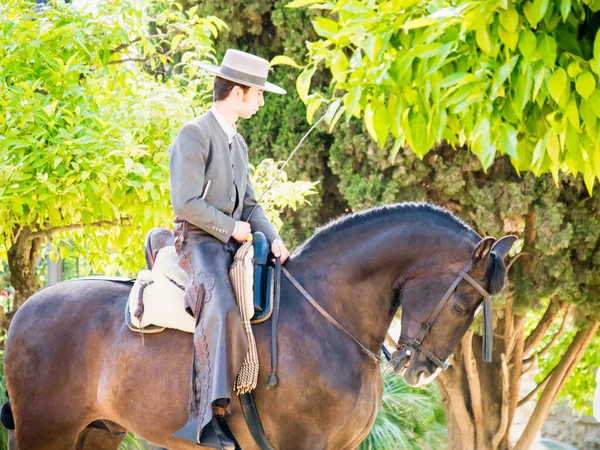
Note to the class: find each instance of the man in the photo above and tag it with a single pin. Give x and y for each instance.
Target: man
(212, 197)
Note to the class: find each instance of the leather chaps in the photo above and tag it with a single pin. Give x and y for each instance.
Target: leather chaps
(220, 342)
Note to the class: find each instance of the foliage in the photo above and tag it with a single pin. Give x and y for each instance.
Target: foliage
(408, 418)
(73, 156)
(509, 78)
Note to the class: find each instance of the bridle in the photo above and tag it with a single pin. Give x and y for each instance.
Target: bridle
(408, 346)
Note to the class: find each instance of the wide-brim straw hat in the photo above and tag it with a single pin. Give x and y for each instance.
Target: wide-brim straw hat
(244, 68)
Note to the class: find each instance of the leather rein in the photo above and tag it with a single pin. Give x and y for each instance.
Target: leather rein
(408, 346)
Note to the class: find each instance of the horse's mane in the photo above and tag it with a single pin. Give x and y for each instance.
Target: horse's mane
(399, 212)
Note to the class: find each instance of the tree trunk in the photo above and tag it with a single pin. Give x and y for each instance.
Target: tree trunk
(480, 399)
(22, 257)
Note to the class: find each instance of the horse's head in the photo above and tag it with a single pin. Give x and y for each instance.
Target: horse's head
(440, 299)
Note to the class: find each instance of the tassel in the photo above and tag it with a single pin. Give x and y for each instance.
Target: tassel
(488, 330)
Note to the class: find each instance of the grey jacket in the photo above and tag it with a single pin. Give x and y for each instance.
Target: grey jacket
(205, 174)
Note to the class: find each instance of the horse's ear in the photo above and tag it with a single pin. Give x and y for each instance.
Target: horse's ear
(503, 245)
(483, 249)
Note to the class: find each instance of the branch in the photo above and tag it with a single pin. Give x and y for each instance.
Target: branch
(536, 389)
(79, 226)
(513, 338)
(472, 379)
(554, 337)
(530, 366)
(543, 326)
(502, 428)
(560, 374)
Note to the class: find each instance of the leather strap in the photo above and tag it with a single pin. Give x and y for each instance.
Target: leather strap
(253, 421)
(325, 314)
(272, 381)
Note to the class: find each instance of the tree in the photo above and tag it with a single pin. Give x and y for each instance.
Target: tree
(90, 101)
(514, 78)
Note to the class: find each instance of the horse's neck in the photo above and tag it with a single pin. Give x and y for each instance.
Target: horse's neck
(355, 284)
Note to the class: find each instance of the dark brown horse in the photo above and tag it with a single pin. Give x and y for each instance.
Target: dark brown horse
(71, 361)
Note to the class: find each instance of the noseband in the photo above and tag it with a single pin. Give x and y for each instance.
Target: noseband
(408, 346)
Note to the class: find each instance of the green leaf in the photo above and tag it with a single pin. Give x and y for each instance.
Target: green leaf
(300, 3)
(509, 141)
(382, 123)
(509, 18)
(586, 84)
(303, 82)
(509, 38)
(283, 60)
(418, 23)
(557, 83)
(553, 146)
(418, 134)
(547, 49)
(594, 102)
(539, 9)
(597, 50)
(565, 8)
(324, 27)
(502, 74)
(370, 121)
(312, 107)
(573, 113)
(483, 39)
(527, 44)
(336, 117)
(351, 100)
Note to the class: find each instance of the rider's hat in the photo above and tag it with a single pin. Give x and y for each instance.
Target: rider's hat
(244, 68)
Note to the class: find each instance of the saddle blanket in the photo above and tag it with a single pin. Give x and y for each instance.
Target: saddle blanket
(163, 295)
(161, 303)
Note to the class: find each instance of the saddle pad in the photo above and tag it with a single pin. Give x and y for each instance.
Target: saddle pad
(163, 296)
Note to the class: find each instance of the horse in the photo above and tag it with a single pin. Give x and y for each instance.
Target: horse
(77, 377)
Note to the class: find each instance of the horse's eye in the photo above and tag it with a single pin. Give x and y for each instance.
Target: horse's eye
(458, 310)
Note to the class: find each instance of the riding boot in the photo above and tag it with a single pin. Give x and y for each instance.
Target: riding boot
(213, 434)
(219, 424)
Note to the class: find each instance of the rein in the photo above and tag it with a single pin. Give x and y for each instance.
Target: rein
(407, 346)
(325, 314)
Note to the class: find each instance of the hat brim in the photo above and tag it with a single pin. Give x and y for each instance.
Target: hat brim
(216, 70)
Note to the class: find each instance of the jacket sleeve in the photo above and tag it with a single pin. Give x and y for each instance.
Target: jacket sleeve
(187, 163)
(259, 221)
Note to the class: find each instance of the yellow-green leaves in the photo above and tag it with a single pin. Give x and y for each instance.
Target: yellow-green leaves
(283, 60)
(534, 11)
(585, 85)
(516, 76)
(547, 49)
(377, 121)
(597, 52)
(303, 82)
(557, 83)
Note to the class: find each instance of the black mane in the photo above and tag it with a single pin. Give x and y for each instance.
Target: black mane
(397, 212)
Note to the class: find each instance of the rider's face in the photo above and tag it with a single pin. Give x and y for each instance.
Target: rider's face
(249, 102)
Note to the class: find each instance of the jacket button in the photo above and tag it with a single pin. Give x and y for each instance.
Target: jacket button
(232, 199)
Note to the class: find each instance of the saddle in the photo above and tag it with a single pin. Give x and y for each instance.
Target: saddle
(158, 292)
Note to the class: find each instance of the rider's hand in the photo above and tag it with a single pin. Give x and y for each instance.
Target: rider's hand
(278, 249)
(242, 231)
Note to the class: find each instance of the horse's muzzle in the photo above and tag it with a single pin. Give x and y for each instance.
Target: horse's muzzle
(400, 359)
